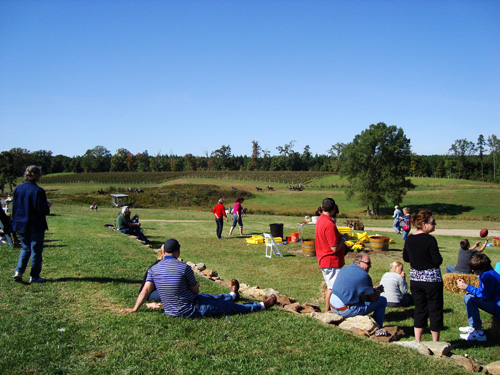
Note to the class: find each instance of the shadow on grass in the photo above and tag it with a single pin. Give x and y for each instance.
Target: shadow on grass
(101, 280)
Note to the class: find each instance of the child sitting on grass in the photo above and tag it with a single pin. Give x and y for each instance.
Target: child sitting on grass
(395, 287)
(465, 254)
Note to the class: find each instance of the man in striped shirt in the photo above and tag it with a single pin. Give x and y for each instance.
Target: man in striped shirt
(180, 291)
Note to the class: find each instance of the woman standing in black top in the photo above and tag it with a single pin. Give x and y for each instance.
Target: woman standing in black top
(421, 250)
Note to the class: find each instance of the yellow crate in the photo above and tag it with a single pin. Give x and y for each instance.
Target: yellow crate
(255, 241)
(343, 230)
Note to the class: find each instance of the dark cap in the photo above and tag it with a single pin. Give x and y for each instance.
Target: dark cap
(171, 246)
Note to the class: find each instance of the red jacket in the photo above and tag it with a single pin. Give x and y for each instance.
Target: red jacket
(219, 211)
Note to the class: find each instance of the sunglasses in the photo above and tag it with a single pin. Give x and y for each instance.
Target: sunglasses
(367, 263)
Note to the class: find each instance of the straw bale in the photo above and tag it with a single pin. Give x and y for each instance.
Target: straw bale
(450, 281)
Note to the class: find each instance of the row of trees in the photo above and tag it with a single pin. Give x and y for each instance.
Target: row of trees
(465, 159)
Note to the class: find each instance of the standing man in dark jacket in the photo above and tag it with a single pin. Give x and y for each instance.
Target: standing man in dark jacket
(30, 207)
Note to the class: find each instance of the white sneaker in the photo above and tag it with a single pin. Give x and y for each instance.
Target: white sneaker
(18, 276)
(467, 329)
(40, 279)
(474, 336)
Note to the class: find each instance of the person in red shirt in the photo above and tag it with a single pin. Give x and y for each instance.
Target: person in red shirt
(330, 248)
(220, 212)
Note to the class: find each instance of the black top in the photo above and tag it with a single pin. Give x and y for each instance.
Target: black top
(422, 251)
(463, 260)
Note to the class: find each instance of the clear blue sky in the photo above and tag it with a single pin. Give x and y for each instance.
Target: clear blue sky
(189, 76)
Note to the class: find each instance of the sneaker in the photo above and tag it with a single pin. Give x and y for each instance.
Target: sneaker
(40, 279)
(467, 329)
(18, 276)
(475, 335)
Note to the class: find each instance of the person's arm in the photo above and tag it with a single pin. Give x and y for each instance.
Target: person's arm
(484, 245)
(486, 288)
(195, 289)
(377, 291)
(436, 257)
(403, 286)
(143, 296)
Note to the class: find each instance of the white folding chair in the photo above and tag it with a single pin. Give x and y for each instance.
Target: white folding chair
(272, 246)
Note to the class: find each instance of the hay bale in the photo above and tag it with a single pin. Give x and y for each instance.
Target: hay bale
(450, 281)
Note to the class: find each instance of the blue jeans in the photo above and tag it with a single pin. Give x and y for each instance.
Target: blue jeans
(31, 246)
(364, 308)
(450, 268)
(220, 225)
(405, 234)
(472, 306)
(237, 220)
(135, 231)
(221, 304)
(396, 225)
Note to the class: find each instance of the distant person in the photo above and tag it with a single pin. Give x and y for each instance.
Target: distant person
(220, 213)
(353, 292)
(179, 290)
(237, 212)
(330, 248)
(335, 213)
(465, 254)
(422, 251)
(126, 225)
(29, 211)
(406, 222)
(318, 212)
(486, 297)
(395, 287)
(397, 219)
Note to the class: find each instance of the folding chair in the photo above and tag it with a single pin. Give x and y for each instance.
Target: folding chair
(271, 246)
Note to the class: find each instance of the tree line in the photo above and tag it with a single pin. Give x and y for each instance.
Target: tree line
(465, 160)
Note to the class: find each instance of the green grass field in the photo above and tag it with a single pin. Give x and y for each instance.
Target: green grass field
(71, 324)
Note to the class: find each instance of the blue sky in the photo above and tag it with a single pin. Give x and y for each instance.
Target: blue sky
(178, 77)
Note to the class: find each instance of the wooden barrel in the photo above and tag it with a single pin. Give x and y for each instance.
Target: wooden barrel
(308, 248)
(379, 243)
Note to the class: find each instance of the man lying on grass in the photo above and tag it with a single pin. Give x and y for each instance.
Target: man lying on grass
(180, 291)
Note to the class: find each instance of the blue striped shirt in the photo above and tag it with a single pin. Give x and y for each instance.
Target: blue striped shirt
(173, 279)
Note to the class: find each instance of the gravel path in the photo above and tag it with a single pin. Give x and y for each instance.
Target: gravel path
(443, 232)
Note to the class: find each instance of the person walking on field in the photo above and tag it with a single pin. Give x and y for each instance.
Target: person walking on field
(30, 208)
(397, 219)
(330, 248)
(220, 212)
(237, 212)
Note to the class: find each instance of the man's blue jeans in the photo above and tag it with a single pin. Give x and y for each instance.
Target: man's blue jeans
(220, 226)
(364, 308)
(472, 306)
(31, 246)
(219, 305)
(135, 231)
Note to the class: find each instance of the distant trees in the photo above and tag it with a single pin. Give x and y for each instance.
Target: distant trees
(376, 164)
(465, 159)
(7, 170)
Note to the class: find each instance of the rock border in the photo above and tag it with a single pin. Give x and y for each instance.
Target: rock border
(359, 325)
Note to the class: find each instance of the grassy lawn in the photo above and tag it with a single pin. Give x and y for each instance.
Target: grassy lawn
(71, 324)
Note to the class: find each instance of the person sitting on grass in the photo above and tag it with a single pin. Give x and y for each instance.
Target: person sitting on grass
(128, 226)
(179, 290)
(465, 254)
(395, 287)
(353, 292)
(486, 297)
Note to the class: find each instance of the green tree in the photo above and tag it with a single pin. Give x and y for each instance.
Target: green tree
(7, 171)
(221, 158)
(377, 162)
(254, 160)
(481, 142)
(118, 161)
(460, 149)
(494, 145)
(97, 159)
(142, 161)
(22, 158)
(336, 152)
